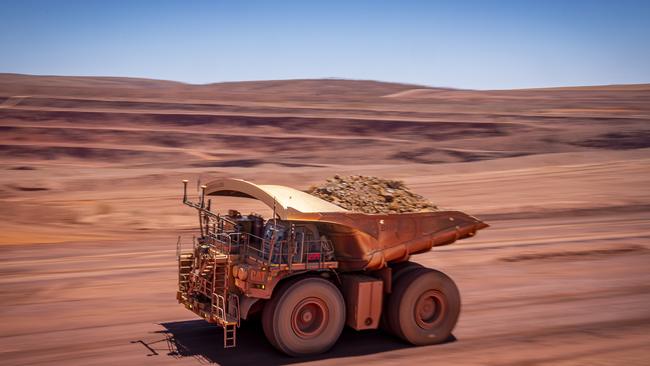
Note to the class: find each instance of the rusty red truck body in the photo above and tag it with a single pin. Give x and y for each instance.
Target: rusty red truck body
(315, 267)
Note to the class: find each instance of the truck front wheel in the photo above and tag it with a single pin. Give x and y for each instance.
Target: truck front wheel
(424, 307)
(304, 317)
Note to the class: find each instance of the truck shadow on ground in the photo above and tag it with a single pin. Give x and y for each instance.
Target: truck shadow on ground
(204, 342)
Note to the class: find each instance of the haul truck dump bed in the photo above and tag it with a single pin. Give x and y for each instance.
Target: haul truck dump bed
(320, 263)
(361, 241)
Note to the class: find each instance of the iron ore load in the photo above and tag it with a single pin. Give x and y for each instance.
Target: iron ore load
(314, 267)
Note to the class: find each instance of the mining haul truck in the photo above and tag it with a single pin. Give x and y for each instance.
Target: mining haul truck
(314, 267)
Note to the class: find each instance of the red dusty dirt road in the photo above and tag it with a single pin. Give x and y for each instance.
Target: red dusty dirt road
(535, 291)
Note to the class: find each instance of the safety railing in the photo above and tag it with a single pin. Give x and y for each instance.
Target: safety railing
(290, 251)
(269, 251)
(223, 234)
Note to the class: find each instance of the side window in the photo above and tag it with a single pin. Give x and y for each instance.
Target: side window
(271, 229)
(305, 233)
(268, 232)
(309, 235)
(300, 236)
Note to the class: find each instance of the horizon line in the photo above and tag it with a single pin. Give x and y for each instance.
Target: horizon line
(422, 86)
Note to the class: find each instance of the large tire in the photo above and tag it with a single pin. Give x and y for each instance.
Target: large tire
(304, 317)
(402, 268)
(424, 307)
(397, 271)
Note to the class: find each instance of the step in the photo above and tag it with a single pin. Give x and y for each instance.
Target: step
(222, 258)
(229, 335)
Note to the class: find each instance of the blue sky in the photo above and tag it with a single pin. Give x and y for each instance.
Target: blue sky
(465, 44)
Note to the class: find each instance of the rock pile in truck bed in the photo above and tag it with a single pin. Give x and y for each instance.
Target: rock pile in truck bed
(371, 195)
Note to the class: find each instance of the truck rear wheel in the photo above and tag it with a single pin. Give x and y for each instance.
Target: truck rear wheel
(424, 307)
(304, 317)
(398, 271)
(402, 268)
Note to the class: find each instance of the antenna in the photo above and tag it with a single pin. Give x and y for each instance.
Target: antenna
(274, 214)
(203, 187)
(184, 190)
(201, 210)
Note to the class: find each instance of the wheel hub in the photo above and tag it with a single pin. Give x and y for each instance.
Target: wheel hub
(430, 309)
(309, 317)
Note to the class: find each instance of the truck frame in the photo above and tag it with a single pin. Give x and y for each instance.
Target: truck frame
(314, 267)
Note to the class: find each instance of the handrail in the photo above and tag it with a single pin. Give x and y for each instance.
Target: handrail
(272, 251)
(221, 233)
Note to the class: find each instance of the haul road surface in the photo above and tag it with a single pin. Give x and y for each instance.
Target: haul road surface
(569, 288)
